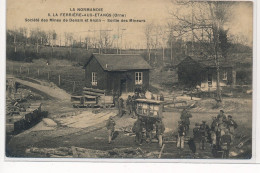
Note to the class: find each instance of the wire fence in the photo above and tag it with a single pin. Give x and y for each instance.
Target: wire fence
(71, 81)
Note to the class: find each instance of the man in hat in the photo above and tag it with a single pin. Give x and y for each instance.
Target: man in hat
(181, 135)
(221, 116)
(110, 128)
(121, 107)
(137, 129)
(134, 104)
(129, 105)
(204, 130)
(160, 128)
(231, 125)
(197, 135)
(225, 143)
(185, 117)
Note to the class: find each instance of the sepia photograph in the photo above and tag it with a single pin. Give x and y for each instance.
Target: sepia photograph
(121, 79)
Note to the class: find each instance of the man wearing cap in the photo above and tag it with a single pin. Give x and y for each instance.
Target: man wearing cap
(134, 104)
(181, 135)
(221, 116)
(137, 129)
(231, 125)
(225, 143)
(185, 117)
(121, 107)
(110, 128)
(204, 129)
(129, 105)
(197, 135)
(160, 128)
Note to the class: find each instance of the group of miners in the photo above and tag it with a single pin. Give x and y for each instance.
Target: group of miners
(129, 106)
(219, 134)
(144, 127)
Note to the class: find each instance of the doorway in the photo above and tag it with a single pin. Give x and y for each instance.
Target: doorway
(122, 86)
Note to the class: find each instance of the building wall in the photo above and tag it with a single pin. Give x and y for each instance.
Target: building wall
(114, 80)
(94, 66)
(205, 84)
(111, 81)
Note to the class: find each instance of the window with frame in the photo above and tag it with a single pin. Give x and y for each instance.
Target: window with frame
(138, 78)
(225, 75)
(94, 79)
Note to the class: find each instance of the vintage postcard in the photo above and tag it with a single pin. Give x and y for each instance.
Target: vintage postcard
(129, 79)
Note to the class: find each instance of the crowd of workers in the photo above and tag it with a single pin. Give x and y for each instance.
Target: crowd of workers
(219, 135)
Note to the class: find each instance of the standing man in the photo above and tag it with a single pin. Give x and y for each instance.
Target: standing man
(197, 135)
(149, 129)
(185, 118)
(225, 142)
(110, 128)
(129, 105)
(160, 128)
(181, 135)
(137, 129)
(134, 104)
(231, 125)
(221, 116)
(120, 107)
(204, 129)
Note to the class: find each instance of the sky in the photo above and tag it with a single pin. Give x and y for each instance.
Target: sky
(152, 11)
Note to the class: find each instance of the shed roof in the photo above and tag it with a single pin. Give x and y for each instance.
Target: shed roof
(120, 62)
(206, 61)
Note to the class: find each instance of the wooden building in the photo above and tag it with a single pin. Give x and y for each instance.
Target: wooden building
(196, 71)
(117, 72)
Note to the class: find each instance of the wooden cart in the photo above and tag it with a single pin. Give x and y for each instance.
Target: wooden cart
(150, 111)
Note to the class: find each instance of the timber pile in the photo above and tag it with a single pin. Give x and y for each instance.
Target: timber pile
(77, 152)
(92, 98)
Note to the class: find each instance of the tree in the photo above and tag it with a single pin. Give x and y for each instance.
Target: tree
(149, 40)
(105, 41)
(204, 19)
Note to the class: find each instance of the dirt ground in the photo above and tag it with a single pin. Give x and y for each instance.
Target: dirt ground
(80, 127)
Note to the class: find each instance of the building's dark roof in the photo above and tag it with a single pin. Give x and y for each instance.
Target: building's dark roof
(206, 62)
(120, 62)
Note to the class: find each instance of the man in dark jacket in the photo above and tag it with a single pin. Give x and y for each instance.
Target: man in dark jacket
(204, 131)
(137, 129)
(221, 116)
(149, 129)
(129, 105)
(121, 107)
(225, 142)
(231, 125)
(134, 104)
(181, 135)
(197, 136)
(110, 128)
(185, 118)
(160, 128)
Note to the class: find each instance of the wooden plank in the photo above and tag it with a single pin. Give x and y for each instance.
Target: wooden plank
(90, 97)
(94, 90)
(92, 93)
(161, 151)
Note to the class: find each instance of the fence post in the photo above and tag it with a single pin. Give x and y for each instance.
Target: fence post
(28, 70)
(59, 80)
(20, 69)
(48, 75)
(38, 72)
(74, 86)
